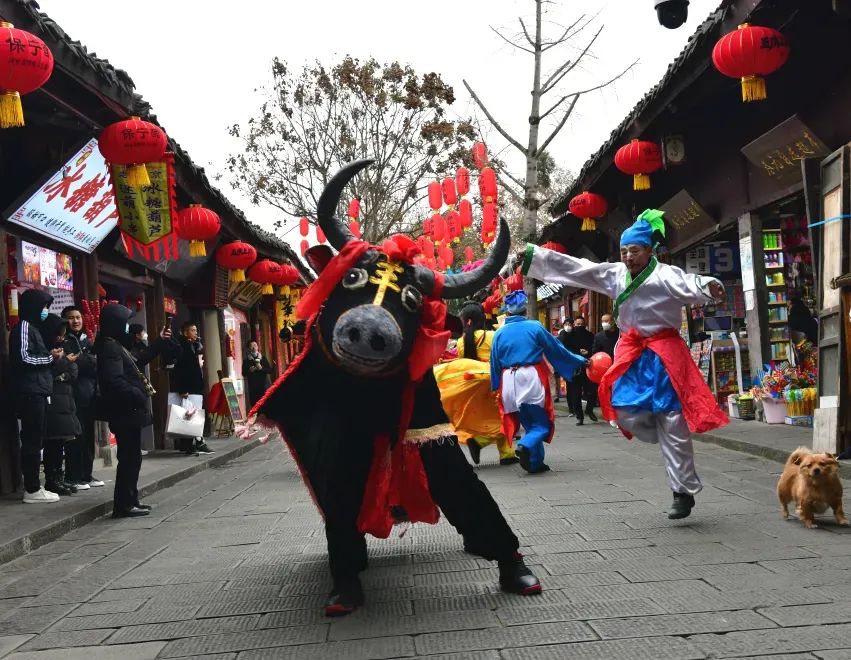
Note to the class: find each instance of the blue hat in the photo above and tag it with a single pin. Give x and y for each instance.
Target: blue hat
(515, 302)
(641, 231)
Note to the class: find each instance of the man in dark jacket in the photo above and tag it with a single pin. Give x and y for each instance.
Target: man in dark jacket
(605, 340)
(187, 378)
(255, 371)
(31, 382)
(80, 452)
(581, 341)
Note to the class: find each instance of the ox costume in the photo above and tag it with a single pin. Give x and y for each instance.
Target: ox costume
(521, 376)
(360, 410)
(653, 390)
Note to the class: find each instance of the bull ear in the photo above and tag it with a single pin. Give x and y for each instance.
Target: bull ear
(318, 257)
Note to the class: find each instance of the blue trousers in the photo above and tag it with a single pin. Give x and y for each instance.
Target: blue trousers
(536, 422)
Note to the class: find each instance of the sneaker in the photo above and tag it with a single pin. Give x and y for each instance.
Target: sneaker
(202, 448)
(82, 485)
(96, 483)
(475, 450)
(144, 452)
(40, 496)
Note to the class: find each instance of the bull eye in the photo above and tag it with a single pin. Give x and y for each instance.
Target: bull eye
(412, 299)
(356, 278)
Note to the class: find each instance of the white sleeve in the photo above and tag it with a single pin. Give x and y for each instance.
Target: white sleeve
(556, 268)
(688, 288)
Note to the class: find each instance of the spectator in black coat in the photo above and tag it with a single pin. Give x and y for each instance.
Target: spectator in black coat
(581, 341)
(61, 424)
(255, 370)
(31, 384)
(124, 393)
(186, 378)
(80, 452)
(607, 338)
(801, 320)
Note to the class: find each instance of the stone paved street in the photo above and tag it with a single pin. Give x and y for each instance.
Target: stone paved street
(231, 565)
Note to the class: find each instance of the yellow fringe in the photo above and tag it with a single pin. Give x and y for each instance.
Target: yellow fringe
(753, 89)
(589, 224)
(431, 433)
(137, 176)
(197, 249)
(641, 182)
(284, 290)
(237, 275)
(11, 110)
(267, 290)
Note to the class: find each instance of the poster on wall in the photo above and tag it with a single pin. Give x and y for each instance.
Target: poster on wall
(47, 267)
(746, 252)
(64, 272)
(32, 265)
(47, 264)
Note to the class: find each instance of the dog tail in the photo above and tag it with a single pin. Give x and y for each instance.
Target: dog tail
(796, 456)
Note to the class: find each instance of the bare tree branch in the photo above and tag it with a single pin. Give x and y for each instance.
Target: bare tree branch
(553, 107)
(526, 33)
(565, 36)
(493, 121)
(555, 80)
(559, 126)
(507, 186)
(512, 177)
(508, 41)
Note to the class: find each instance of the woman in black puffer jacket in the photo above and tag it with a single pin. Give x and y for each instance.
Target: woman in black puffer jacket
(124, 392)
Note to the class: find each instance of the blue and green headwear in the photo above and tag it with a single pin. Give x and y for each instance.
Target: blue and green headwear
(641, 231)
(515, 302)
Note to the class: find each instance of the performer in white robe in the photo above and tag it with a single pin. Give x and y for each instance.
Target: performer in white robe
(653, 390)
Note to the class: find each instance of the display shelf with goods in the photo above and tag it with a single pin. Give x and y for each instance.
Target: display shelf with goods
(726, 364)
(776, 262)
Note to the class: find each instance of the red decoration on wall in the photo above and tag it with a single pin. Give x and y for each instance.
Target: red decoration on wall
(265, 272)
(640, 158)
(750, 53)
(25, 65)
(588, 206)
(303, 226)
(133, 142)
(487, 185)
(435, 196)
(196, 225)
(480, 155)
(462, 180)
(236, 257)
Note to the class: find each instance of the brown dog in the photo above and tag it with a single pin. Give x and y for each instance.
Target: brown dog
(812, 480)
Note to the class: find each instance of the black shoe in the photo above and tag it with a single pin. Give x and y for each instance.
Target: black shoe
(543, 467)
(511, 460)
(345, 598)
(475, 450)
(556, 400)
(57, 487)
(202, 448)
(682, 506)
(133, 512)
(580, 422)
(69, 485)
(591, 415)
(146, 507)
(522, 454)
(516, 578)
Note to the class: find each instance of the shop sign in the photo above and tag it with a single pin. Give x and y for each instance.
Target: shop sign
(76, 205)
(684, 220)
(719, 259)
(778, 153)
(245, 294)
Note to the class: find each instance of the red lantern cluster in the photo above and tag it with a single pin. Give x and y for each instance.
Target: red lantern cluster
(196, 225)
(750, 53)
(236, 257)
(132, 143)
(639, 158)
(26, 63)
(267, 273)
(588, 206)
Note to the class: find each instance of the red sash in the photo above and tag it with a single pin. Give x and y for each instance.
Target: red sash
(699, 406)
(511, 421)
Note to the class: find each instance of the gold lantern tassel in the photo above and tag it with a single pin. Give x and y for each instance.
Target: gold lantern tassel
(137, 176)
(11, 111)
(589, 224)
(641, 182)
(267, 290)
(284, 290)
(197, 249)
(753, 89)
(237, 275)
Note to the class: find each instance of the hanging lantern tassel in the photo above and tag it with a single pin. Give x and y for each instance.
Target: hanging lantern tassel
(137, 177)
(11, 110)
(641, 182)
(197, 249)
(235, 275)
(284, 290)
(753, 89)
(267, 289)
(589, 224)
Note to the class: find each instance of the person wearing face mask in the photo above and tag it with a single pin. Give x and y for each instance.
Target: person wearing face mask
(80, 451)
(255, 370)
(563, 337)
(580, 341)
(607, 338)
(124, 393)
(31, 382)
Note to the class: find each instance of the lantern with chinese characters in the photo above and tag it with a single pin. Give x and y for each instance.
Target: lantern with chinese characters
(287, 276)
(435, 196)
(465, 213)
(236, 257)
(462, 180)
(265, 272)
(750, 53)
(25, 65)
(453, 226)
(447, 256)
(196, 225)
(450, 194)
(303, 226)
(639, 158)
(487, 185)
(439, 230)
(588, 206)
(132, 143)
(480, 155)
(555, 247)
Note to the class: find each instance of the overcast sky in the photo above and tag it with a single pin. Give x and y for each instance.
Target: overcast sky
(200, 62)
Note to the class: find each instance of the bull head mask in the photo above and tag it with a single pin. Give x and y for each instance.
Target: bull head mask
(370, 320)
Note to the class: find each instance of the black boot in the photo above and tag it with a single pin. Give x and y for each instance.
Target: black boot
(682, 506)
(68, 484)
(475, 450)
(516, 578)
(53, 483)
(345, 597)
(522, 454)
(509, 460)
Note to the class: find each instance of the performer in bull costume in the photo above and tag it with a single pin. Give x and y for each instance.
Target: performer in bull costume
(653, 390)
(360, 410)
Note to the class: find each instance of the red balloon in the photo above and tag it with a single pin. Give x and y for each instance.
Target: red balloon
(599, 364)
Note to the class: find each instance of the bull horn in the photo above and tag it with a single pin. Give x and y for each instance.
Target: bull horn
(466, 284)
(337, 232)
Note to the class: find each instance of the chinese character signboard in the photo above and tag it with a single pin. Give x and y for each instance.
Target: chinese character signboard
(685, 220)
(76, 206)
(778, 153)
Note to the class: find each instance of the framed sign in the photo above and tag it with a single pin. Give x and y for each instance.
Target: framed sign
(232, 399)
(778, 153)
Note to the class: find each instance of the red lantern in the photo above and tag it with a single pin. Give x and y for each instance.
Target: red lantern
(446, 255)
(132, 143)
(465, 212)
(439, 231)
(462, 180)
(354, 208)
(25, 65)
(435, 196)
(468, 254)
(354, 227)
(428, 249)
(588, 206)
(453, 226)
(750, 53)
(304, 226)
(287, 276)
(480, 155)
(450, 195)
(487, 185)
(236, 257)
(265, 272)
(555, 247)
(428, 227)
(196, 225)
(490, 212)
(639, 158)
(514, 282)
(305, 246)
(320, 235)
